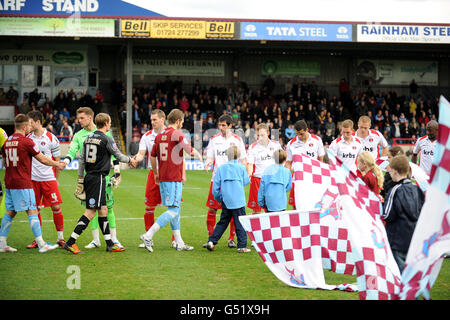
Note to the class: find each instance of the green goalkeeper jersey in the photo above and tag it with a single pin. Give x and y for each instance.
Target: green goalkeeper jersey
(78, 140)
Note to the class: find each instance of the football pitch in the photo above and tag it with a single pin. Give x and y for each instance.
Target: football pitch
(136, 274)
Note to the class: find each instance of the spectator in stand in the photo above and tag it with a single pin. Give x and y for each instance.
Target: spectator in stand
(59, 123)
(184, 103)
(413, 88)
(423, 118)
(72, 102)
(47, 109)
(60, 101)
(24, 108)
(97, 106)
(66, 132)
(85, 100)
(34, 96)
(76, 126)
(65, 113)
(99, 95)
(11, 95)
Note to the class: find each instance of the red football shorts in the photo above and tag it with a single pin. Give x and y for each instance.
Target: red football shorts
(211, 202)
(253, 194)
(152, 193)
(46, 193)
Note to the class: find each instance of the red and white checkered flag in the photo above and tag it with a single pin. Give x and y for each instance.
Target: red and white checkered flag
(431, 238)
(291, 245)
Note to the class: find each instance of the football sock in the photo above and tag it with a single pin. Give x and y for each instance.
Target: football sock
(177, 235)
(6, 225)
(210, 221)
(96, 235)
(35, 225)
(153, 229)
(149, 217)
(232, 230)
(58, 220)
(113, 232)
(104, 227)
(79, 228)
(175, 221)
(167, 216)
(111, 218)
(36, 229)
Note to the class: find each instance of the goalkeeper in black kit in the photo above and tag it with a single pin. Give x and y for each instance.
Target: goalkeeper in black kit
(95, 159)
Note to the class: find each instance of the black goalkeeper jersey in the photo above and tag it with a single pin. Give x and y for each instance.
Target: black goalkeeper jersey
(96, 154)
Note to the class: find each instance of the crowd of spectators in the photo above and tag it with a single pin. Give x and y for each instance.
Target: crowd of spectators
(59, 113)
(394, 115)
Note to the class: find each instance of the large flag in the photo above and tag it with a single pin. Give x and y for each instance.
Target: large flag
(290, 244)
(431, 238)
(315, 189)
(378, 276)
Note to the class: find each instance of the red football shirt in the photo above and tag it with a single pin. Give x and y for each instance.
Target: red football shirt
(18, 152)
(168, 149)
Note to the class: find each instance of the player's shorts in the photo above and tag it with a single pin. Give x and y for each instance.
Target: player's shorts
(292, 196)
(20, 200)
(95, 186)
(253, 194)
(211, 202)
(171, 193)
(152, 192)
(47, 193)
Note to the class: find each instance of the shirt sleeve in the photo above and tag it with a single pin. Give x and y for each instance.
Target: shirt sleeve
(75, 146)
(112, 148)
(250, 155)
(55, 147)
(383, 143)
(320, 148)
(142, 144)
(210, 150)
(32, 148)
(184, 143)
(81, 163)
(288, 152)
(417, 147)
(243, 151)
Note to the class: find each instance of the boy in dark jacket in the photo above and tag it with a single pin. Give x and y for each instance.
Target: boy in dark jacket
(402, 208)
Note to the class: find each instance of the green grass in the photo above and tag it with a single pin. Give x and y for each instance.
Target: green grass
(163, 275)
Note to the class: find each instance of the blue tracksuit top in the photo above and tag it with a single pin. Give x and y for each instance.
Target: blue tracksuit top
(228, 184)
(276, 180)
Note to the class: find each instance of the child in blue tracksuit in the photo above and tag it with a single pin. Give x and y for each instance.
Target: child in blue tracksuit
(228, 189)
(276, 180)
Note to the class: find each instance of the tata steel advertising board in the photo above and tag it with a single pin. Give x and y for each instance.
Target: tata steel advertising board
(295, 31)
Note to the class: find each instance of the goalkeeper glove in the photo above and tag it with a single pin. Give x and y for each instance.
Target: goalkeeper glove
(79, 191)
(115, 180)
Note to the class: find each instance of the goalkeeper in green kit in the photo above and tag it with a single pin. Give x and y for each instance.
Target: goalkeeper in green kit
(85, 116)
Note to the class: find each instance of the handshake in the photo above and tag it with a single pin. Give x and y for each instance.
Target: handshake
(133, 162)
